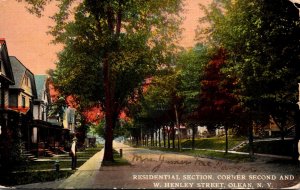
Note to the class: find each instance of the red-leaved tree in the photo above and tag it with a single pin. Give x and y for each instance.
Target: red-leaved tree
(218, 104)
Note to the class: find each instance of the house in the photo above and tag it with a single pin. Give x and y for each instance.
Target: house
(41, 103)
(44, 134)
(9, 119)
(52, 136)
(21, 97)
(69, 119)
(23, 92)
(6, 75)
(24, 106)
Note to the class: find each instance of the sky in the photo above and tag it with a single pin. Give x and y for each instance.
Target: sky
(27, 39)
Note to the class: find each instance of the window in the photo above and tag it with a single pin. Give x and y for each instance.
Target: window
(26, 80)
(23, 101)
(43, 113)
(13, 100)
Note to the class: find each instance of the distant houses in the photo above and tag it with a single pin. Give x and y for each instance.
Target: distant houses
(25, 104)
(42, 101)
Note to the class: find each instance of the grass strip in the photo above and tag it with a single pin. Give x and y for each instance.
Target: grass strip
(19, 178)
(206, 153)
(43, 171)
(118, 160)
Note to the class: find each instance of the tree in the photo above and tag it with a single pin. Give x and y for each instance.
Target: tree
(191, 65)
(160, 99)
(119, 42)
(158, 104)
(217, 104)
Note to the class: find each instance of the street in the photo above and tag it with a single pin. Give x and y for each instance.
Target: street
(153, 169)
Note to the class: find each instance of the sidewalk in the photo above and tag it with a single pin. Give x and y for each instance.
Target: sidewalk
(90, 174)
(85, 174)
(246, 153)
(81, 178)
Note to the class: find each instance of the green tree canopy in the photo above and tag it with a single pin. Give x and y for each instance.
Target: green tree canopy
(262, 41)
(110, 47)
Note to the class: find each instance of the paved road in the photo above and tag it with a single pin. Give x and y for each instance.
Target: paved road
(156, 169)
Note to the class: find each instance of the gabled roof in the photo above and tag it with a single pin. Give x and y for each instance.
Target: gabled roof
(6, 63)
(19, 71)
(40, 82)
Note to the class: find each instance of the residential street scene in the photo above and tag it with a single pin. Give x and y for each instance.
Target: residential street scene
(169, 94)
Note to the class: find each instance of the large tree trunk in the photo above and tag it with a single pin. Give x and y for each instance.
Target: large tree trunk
(159, 143)
(156, 138)
(173, 136)
(152, 138)
(250, 138)
(226, 139)
(146, 140)
(109, 125)
(193, 136)
(296, 153)
(136, 140)
(142, 138)
(164, 136)
(282, 134)
(169, 143)
(111, 109)
(109, 119)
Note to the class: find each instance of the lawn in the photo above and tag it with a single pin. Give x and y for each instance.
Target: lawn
(26, 177)
(215, 143)
(277, 147)
(42, 171)
(211, 144)
(215, 154)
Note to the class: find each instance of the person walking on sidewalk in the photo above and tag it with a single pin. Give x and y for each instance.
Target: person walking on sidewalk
(73, 153)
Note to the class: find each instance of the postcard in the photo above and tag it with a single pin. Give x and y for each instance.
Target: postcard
(169, 94)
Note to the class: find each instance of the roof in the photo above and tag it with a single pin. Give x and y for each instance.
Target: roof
(19, 71)
(47, 124)
(9, 77)
(40, 82)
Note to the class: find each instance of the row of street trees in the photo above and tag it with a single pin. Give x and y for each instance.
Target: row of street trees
(245, 69)
(245, 72)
